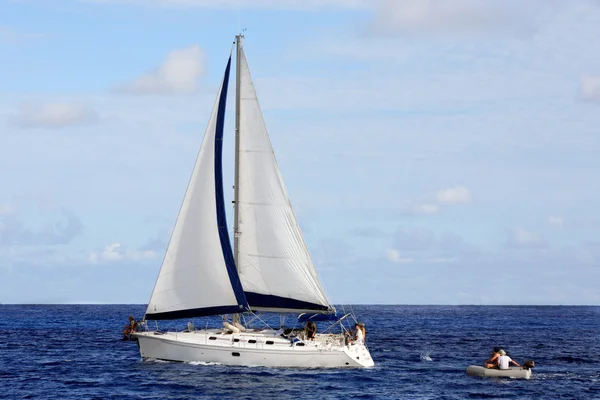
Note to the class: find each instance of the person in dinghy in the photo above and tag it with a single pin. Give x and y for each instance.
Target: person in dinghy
(492, 362)
(504, 361)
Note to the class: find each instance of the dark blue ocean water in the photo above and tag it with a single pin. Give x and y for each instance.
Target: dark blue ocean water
(421, 352)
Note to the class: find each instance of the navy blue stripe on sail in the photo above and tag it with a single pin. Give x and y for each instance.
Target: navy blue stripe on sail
(221, 216)
(271, 301)
(193, 313)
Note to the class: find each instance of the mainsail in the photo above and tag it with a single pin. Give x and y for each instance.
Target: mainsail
(274, 272)
(273, 262)
(198, 275)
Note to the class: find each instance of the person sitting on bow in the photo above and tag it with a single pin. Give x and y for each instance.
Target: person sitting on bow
(129, 328)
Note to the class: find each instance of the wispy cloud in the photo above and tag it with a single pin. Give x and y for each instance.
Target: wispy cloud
(426, 209)
(368, 232)
(453, 195)
(440, 260)
(178, 73)
(242, 4)
(423, 245)
(116, 252)
(6, 209)
(520, 238)
(414, 239)
(393, 255)
(556, 221)
(53, 115)
(13, 232)
(445, 16)
(11, 35)
(590, 87)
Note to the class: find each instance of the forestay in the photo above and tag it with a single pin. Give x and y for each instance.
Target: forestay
(198, 275)
(274, 264)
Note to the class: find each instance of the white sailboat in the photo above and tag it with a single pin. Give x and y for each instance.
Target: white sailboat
(269, 268)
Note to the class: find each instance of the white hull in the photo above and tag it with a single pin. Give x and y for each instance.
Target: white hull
(512, 372)
(261, 348)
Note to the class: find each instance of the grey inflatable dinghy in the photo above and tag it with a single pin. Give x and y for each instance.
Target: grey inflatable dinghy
(523, 372)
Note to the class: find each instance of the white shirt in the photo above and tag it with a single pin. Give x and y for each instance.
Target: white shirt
(503, 362)
(359, 336)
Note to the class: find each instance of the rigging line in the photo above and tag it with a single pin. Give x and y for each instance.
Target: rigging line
(255, 316)
(339, 321)
(261, 320)
(250, 321)
(322, 251)
(353, 314)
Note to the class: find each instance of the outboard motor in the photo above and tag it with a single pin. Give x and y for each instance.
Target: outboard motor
(528, 364)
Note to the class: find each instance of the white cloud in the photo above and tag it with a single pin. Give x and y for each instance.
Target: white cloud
(394, 256)
(53, 115)
(456, 194)
(590, 87)
(557, 221)
(178, 73)
(445, 16)
(427, 209)
(116, 252)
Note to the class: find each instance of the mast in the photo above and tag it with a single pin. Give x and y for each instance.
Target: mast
(236, 179)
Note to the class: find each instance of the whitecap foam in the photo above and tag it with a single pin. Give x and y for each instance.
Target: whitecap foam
(202, 363)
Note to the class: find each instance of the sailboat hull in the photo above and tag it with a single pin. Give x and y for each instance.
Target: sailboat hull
(264, 348)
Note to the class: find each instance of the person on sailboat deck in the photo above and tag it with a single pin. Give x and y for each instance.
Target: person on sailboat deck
(129, 328)
(504, 360)
(359, 334)
(311, 330)
(492, 362)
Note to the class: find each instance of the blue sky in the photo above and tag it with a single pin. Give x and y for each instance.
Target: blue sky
(435, 152)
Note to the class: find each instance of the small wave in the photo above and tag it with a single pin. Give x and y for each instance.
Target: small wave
(564, 375)
(155, 360)
(425, 357)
